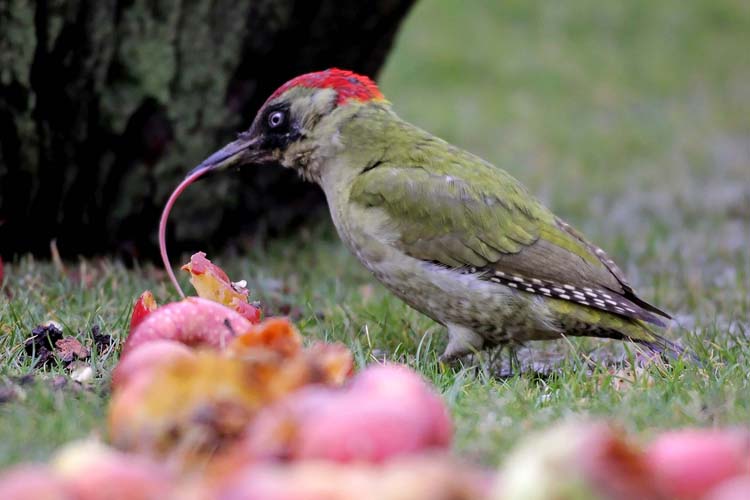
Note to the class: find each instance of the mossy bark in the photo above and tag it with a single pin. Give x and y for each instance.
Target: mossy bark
(105, 105)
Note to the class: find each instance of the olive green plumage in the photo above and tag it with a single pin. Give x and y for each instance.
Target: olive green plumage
(454, 236)
(452, 208)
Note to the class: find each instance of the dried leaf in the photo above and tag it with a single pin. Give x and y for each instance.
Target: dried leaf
(43, 336)
(68, 349)
(56, 260)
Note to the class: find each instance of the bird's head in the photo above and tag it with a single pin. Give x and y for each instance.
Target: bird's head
(290, 126)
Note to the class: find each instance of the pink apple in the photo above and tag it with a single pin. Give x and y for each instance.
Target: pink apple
(385, 412)
(688, 463)
(144, 358)
(193, 321)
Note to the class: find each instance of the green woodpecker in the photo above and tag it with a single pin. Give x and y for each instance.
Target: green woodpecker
(452, 235)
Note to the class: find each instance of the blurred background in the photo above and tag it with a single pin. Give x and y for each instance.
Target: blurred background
(106, 105)
(630, 119)
(636, 113)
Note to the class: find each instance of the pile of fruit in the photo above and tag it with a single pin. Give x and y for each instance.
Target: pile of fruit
(208, 401)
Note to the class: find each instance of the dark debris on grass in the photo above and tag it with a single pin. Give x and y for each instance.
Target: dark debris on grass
(41, 343)
(48, 346)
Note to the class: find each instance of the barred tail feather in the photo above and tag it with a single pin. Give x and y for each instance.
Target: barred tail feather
(584, 321)
(659, 344)
(664, 347)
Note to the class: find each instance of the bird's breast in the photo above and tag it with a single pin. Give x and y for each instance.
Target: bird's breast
(446, 295)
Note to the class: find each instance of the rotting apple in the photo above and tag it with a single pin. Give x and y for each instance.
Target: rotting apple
(198, 405)
(193, 321)
(211, 282)
(141, 360)
(144, 305)
(577, 459)
(277, 334)
(361, 422)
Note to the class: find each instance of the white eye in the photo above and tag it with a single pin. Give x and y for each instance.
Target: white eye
(276, 119)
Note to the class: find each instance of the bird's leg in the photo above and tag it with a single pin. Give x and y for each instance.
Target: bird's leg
(496, 361)
(513, 361)
(461, 341)
(495, 357)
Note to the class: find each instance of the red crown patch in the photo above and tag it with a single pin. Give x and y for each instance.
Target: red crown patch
(347, 84)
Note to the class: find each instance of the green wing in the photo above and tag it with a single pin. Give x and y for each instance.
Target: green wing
(452, 208)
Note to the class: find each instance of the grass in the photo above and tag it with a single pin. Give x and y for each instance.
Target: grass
(630, 119)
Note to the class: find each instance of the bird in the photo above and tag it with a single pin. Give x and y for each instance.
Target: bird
(452, 235)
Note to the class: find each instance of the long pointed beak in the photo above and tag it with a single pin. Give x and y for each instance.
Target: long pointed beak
(237, 152)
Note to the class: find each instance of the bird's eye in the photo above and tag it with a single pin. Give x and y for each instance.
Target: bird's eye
(276, 119)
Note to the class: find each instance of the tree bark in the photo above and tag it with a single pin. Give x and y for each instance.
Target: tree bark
(105, 105)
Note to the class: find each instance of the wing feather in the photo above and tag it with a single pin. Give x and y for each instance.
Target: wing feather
(468, 213)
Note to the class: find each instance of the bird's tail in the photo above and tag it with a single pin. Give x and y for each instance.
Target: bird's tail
(590, 322)
(653, 339)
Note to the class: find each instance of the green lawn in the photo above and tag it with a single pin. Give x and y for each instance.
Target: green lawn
(630, 119)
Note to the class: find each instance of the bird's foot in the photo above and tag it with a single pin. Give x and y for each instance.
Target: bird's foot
(461, 342)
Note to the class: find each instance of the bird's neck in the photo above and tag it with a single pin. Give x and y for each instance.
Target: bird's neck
(358, 138)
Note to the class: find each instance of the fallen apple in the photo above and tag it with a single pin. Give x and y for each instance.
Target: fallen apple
(335, 360)
(425, 477)
(92, 471)
(141, 360)
(365, 421)
(211, 282)
(737, 488)
(198, 405)
(194, 403)
(194, 322)
(276, 334)
(144, 305)
(32, 482)
(574, 460)
(689, 463)
(403, 386)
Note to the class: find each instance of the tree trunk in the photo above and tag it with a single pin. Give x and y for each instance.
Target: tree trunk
(105, 105)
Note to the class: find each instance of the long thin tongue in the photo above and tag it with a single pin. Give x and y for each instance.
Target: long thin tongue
(191, 177)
